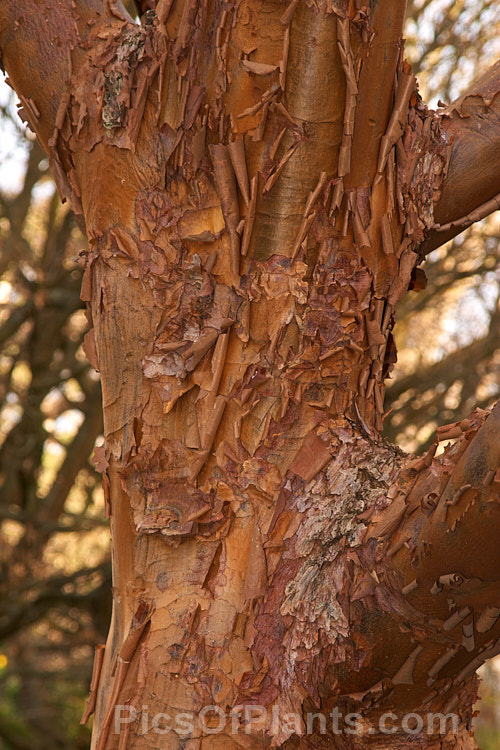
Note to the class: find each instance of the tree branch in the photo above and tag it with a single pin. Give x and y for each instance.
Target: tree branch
(471, 124)
(35, 46)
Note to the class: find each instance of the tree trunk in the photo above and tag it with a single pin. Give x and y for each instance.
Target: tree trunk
(258, 182)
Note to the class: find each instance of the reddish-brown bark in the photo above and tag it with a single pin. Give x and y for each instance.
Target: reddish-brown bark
(470, 191)
(257, 182)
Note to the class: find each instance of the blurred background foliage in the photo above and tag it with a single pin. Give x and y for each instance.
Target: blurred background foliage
(55, 578)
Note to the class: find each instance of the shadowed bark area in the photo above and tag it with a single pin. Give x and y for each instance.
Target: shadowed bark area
(257, 181)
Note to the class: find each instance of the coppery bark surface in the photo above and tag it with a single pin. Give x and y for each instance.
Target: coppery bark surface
(257, 182)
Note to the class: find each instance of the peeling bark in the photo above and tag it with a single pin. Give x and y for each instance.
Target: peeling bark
(254, 214)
